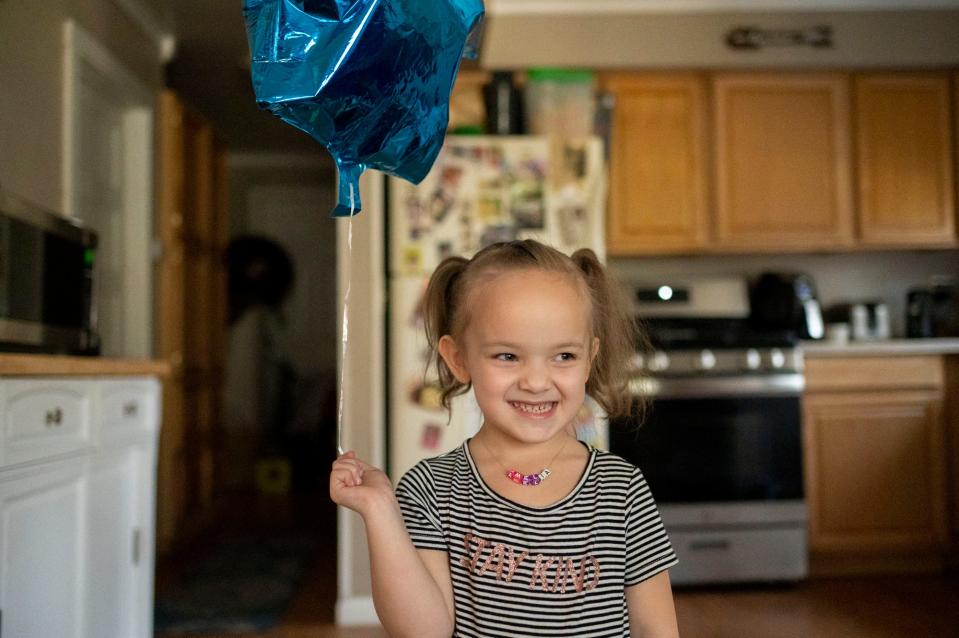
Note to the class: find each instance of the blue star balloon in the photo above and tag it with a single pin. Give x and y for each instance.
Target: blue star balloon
(368, 79)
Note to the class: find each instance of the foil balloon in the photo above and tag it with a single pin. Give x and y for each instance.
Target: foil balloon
(368, 79)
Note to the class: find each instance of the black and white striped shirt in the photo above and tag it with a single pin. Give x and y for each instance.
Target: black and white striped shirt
(550, 571)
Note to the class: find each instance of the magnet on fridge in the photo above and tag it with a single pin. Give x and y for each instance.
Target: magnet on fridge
(432, 435)
(412, 259)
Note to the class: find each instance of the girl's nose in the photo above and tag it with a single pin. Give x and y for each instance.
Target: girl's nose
(535, 378)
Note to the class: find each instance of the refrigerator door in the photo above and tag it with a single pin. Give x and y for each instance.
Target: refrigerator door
(481, 190)
(486, 189)
(419, 425)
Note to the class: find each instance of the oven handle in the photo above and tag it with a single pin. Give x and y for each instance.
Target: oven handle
(783, 385)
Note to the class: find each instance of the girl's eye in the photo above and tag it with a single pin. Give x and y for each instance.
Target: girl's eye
(506, 356)
(566, 356)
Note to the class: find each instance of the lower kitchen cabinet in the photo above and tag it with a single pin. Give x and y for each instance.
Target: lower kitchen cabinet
(77, 519)
(41, 544)
(875, 464)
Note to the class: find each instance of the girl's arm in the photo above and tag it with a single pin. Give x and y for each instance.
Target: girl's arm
(412, 590)
(651, 610)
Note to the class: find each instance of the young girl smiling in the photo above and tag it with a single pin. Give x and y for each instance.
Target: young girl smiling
(522, 530)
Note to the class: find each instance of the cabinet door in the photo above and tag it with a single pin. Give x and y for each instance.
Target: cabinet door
(875, 471)
(657, 200)
(117, 566)
(41, 545)
(904, 160)
(782, 161)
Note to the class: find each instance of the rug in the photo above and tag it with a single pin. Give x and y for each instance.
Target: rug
(243, 586)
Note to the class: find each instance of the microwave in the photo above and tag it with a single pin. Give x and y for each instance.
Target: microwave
(46, 281)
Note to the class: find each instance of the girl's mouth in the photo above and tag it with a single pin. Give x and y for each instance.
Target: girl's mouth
(536, 410)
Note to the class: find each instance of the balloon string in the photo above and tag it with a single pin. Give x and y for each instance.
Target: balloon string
(346, 328)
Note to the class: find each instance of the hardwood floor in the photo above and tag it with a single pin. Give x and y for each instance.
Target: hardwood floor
(867, 607)
(876, 607)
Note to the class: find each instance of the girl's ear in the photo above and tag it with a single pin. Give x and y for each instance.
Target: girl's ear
(454, 358)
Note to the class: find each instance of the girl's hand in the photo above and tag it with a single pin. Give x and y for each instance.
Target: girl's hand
(359, 486)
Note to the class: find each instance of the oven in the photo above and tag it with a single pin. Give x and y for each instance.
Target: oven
(720, 446)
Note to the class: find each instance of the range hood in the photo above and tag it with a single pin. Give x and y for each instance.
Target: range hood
(693, 33)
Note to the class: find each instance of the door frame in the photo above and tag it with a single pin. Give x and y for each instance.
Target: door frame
(81, 49)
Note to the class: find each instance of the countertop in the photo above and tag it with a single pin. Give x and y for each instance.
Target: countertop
(58, 365)
(886, 347)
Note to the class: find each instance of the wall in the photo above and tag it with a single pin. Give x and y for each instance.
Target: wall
(840, 277)
(685, 37)
(31, 77)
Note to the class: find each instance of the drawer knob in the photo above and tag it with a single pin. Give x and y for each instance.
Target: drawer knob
(54, 417)
(130, 409)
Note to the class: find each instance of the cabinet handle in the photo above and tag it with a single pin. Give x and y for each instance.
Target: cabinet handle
(130, 409)
(721, 544)
(53, 417)
(136, 545)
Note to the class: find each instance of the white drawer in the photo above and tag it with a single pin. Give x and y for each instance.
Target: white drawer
(44, 417)
(128, 406)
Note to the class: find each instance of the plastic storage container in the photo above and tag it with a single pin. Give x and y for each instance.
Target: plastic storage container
(560, 102)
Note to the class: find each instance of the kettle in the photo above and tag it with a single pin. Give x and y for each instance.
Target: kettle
(786, 301)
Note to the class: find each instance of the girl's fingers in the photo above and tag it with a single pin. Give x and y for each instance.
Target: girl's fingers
(350, 475)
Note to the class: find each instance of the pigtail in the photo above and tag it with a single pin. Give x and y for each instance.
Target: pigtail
(439, 304)
(619, 335)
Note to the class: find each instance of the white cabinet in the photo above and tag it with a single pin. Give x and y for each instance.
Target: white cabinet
(77, 484)
(41, 542)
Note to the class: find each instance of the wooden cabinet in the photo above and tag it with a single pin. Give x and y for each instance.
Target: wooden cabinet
(952, 434)
(76, 518)
(875, 464)
(782, 162)
(658, 195)
(775, 162)
(192, 225)
(904, 160)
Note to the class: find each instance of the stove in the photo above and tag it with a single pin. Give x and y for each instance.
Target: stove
(720, 446)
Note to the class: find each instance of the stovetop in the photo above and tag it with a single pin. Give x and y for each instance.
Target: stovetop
(716, 347)
(684, 333)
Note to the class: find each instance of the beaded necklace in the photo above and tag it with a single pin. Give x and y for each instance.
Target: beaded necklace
(531, 480)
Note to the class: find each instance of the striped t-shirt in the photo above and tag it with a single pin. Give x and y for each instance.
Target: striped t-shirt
(551, 571)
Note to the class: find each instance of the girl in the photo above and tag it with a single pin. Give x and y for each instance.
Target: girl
(522, 530)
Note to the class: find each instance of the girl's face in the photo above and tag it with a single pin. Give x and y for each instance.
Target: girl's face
(527, 350)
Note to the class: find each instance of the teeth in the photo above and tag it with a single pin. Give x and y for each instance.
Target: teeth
(533, 408)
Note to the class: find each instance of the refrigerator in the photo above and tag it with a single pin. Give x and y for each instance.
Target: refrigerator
(481, 190)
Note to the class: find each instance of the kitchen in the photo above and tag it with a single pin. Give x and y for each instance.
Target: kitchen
(839, 261)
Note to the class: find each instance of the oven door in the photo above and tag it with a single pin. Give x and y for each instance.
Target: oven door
(723, 459)
(718, 440)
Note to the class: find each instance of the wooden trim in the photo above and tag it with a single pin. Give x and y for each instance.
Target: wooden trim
(874, 373)
(832, 564)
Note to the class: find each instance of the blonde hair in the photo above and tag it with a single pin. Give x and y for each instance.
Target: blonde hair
(446, 312)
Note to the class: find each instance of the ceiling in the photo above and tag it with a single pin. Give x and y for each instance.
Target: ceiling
(210, 70)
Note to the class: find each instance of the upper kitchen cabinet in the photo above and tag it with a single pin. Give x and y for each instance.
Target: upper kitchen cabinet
(782, 162)
(904, 160)
(658, 190)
